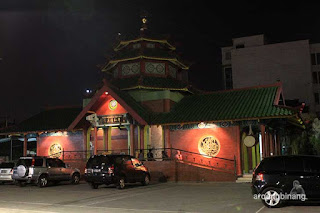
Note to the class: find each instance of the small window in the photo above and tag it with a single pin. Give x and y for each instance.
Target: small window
(136, 46)
(150, 45)
(313, 59)
(294, 164)
(318, 58)
(38, 162)
(228, 55)
(238, 46)
(316, 98)
(314, 77)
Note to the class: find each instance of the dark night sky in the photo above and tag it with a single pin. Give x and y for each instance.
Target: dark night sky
(50, 48)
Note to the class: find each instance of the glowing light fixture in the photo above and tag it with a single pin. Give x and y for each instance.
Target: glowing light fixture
(106, 93)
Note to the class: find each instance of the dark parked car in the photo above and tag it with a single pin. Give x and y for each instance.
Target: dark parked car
(42, 170)
(115, 169)
(287, 178)
(6, 171)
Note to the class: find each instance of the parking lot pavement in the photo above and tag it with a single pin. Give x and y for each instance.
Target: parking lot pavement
(164, 197)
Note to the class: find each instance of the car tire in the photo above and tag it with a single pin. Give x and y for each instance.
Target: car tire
(75, 179)
(94, 185)
(21, 183)
(43, 181)
(121, 183)
(146, 180)
(271, 198)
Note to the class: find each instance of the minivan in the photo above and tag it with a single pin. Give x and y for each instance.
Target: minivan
(279, 179)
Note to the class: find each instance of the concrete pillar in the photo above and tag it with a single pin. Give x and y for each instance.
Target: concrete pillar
(167, 141)
(141, 137)
(25, 146)
(85, 141)
(271, 143)
(263, 139)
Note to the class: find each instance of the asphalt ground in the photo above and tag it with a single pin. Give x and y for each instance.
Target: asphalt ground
(157, 197)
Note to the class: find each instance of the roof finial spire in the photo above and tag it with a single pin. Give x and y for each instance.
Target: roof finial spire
(144, 20)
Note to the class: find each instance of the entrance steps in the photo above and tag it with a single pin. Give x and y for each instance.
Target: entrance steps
(246, 178)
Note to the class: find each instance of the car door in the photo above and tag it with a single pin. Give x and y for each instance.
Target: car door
(53, 170)
(312, 168)
(64, 173)
(128, 169)
(297, 180)
(139, 170)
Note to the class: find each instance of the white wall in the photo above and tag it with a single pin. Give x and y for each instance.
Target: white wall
(288, 62)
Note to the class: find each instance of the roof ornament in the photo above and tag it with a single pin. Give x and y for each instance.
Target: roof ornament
(144, 20)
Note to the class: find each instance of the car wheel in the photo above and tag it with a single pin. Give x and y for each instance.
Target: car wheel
(271, 198)
(43, 181)
(75, 178)
(21, 183)
(146, 180)
(94, 185)
(121, 183)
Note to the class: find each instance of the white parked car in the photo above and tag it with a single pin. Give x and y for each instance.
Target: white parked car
(6, 171)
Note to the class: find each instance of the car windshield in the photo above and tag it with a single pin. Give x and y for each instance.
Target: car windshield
(6, 165)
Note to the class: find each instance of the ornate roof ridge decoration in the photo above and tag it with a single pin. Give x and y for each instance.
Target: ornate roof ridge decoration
(113, 63)
(123, 44)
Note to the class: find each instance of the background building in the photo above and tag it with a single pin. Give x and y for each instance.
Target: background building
(253, 61)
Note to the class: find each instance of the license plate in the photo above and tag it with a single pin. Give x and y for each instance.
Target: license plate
(97, 170)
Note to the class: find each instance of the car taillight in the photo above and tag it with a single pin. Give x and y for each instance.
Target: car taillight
(11, 171)
(111, 169)
(85, 170)
(32, 163)
(259, 177)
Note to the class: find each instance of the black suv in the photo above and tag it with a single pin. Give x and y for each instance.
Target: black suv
(286, 178)
(115, 169)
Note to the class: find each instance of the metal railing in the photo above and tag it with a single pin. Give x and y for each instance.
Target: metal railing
(197, 159)
(160, 154)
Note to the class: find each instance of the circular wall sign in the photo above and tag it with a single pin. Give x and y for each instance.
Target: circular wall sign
(209, 146)
(249, 141)
(113, 104)
(55, 150)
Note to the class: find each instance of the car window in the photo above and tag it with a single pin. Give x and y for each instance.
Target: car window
(25, 162)
(272, 165)
(6, 165)
(312, 164)
(293, 164)
(97, 161)
(52, 162)
(60, 163)
(136, 162)
(38, 162)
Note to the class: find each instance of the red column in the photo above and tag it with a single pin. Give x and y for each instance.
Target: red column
(166, 105)
(278, 144)
(238, 157)
(132, 140)
(95, 140)
(84, 135)
(263, 138)
(271, 144)
(25, 141)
